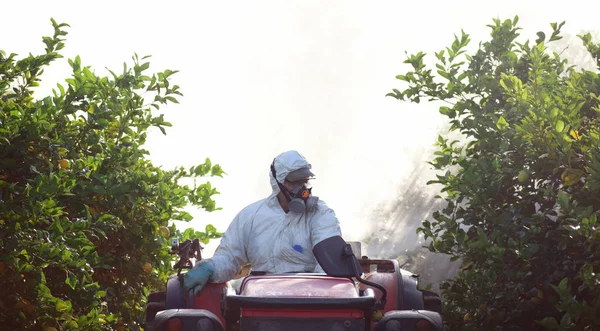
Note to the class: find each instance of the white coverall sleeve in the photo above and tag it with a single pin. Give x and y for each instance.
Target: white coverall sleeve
(324, 225)
(231, 253)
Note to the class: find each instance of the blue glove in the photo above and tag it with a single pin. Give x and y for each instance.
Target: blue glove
(198, 277)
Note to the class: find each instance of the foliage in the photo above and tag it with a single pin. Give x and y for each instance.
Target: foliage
(84, 216)
(521, 185)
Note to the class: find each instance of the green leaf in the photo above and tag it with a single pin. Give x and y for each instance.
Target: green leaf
(188, 233)
(44, 291)
(564, 284)
(541, 37)
(503, 84)
(482, 237)
(566, 320)
(61, 306)
(563, 199)
(210, 229)
(447, 111)
(71, 325)
(184, 216)
(501, 124)
(560, 126)
(71, 281)
(550, 323)
(571, 176)
(58, 226)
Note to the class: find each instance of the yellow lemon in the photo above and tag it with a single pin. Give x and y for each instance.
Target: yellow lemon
(64, 164)
(164, 231)
(523, 176)
(377, 315)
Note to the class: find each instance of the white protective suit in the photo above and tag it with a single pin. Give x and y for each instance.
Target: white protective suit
(263, 235)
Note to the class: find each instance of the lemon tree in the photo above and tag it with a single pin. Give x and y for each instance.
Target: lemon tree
(522, 185)
(85, 217)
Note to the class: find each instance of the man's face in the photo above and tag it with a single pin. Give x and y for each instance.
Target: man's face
(293, 186)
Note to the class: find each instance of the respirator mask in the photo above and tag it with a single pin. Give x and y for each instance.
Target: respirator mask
(300, 198)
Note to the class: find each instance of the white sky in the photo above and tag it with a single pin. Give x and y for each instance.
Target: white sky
(262, 77)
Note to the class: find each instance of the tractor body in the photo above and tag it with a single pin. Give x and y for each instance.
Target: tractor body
(300, 301)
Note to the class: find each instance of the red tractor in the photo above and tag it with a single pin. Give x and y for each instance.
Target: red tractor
(353, 295)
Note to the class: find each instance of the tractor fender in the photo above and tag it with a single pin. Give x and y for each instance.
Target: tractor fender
(209, 298)
(187, 319)
(401, 285)
(176, 295)
(398, 320)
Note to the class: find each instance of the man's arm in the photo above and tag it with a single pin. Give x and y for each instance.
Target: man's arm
(231, 253)
(323, 225)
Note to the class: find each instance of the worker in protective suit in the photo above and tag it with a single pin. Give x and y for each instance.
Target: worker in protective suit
(275, 234)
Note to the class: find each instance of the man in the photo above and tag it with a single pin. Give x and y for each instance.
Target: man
(275, 234)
